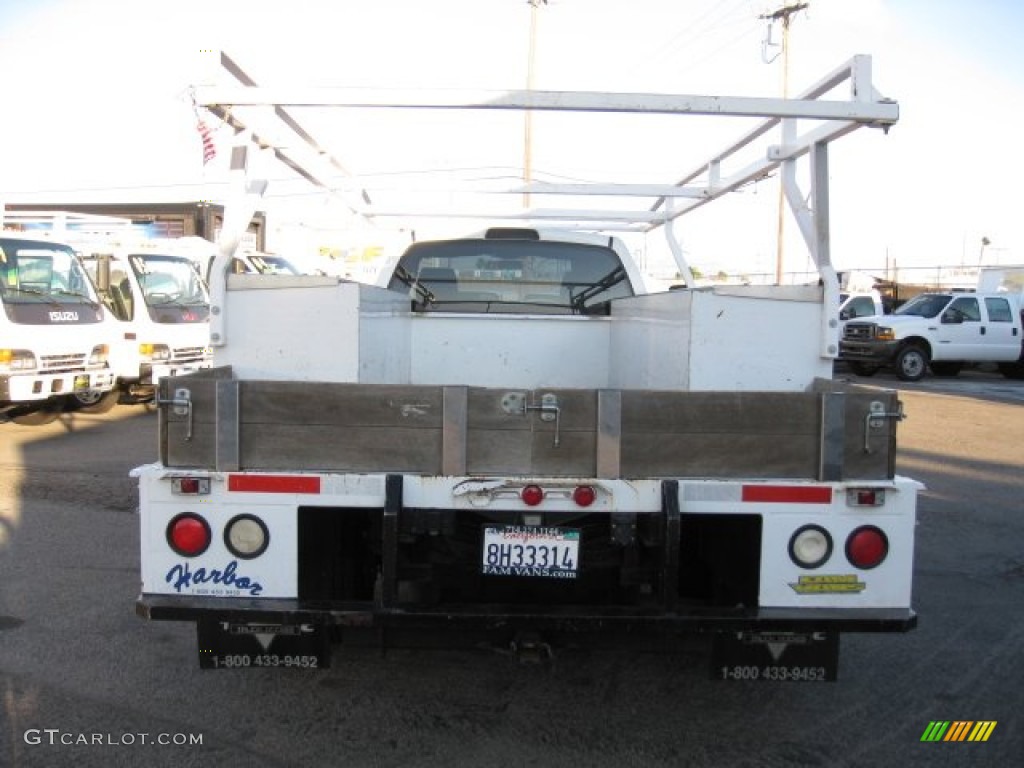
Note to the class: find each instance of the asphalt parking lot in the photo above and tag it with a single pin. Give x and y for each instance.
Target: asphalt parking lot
(77, 662)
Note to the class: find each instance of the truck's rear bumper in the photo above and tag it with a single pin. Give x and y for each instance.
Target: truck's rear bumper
(560, 618)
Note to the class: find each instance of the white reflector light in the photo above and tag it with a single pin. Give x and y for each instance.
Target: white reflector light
(810, 546)
(246, 536)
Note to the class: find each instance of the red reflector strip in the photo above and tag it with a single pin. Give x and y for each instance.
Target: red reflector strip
(788, 494)
(274, 483)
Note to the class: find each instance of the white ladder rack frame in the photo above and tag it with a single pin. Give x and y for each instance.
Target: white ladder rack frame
(835, 118)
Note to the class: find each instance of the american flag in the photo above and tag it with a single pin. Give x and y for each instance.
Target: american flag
(209, 148)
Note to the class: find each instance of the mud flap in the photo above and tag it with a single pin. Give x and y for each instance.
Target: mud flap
(230, 645)
(799, 657)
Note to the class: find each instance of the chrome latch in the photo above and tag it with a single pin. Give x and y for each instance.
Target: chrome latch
(515, 402)
(181, 404)
(876, 418)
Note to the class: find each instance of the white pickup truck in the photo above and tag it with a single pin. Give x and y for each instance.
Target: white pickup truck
(514, 444)
(943, 331)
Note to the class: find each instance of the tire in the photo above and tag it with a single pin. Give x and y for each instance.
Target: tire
(1012, 370)
(95, 402)
(863, 369)
(911, 363)
(946, 369)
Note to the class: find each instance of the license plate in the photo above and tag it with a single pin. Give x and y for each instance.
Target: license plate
(230, 645)
(81, 383)
(519, 550)
(789, 657)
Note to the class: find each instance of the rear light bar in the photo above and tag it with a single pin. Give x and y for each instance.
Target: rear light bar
(810, 547)
(532, 495)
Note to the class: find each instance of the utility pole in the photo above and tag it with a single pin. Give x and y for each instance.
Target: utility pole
(528, 114)
(783, 14)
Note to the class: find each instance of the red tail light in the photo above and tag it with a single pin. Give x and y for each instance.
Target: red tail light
(188, 534)
(867, 547)
(532, 495)
(190, 486)
(584, 495)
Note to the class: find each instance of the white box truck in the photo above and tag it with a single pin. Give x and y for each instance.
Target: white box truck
(55, 335)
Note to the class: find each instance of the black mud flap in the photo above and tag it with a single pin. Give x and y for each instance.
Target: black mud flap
(797, 657)
(230, 645)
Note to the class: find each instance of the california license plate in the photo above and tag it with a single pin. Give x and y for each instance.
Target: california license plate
(519, 550)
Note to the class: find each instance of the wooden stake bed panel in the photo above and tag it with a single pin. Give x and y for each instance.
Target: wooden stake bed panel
(437, 430)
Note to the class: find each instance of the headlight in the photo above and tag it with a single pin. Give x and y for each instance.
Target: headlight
(885, 334)
(99, 355)
(17, 360)
(155, 351)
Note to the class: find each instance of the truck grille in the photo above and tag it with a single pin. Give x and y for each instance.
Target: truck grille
(66, 362)
(859, 331)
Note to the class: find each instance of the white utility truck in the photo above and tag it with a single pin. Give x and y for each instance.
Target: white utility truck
(943, 331)
(513, 443)
(54, 333)
(156, 292)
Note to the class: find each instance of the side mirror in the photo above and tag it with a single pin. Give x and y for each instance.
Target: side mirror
(845, 314)
(103, 273)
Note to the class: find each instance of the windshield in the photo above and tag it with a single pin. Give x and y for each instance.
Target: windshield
(169, 280)
(39, 271)
(480, 275)
(924, 305)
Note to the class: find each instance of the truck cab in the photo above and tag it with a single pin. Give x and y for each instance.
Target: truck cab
(853, 305)
(941, 330)
(56, 334)
(162, 308)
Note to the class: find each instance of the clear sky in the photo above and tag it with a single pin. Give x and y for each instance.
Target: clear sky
(96, 101)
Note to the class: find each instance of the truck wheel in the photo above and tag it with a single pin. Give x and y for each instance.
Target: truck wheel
(94, 402)
(1012, 370)
(863, 369)
(911, 363)
(946, 369)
